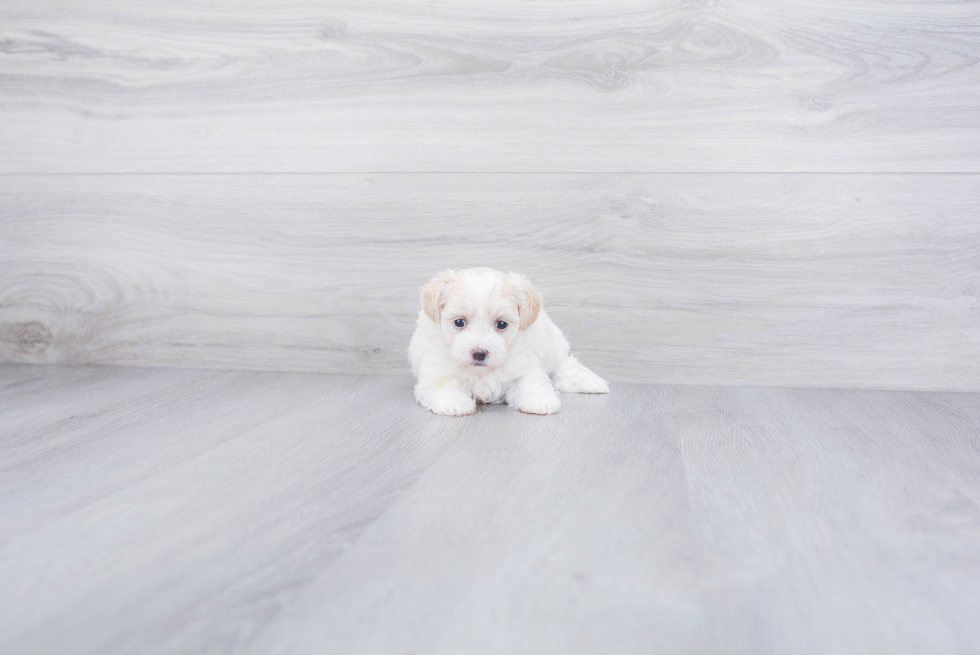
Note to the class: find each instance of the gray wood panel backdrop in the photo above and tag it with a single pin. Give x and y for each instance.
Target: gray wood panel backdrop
(705, 191)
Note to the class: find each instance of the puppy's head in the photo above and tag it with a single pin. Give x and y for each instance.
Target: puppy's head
(481, 313)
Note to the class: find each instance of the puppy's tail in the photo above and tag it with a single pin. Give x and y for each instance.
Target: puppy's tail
(573, 377)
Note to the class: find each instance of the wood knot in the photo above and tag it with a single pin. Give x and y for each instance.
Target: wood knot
(33, 336)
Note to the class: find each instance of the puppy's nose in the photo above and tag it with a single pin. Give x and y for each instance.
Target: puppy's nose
(479, 355)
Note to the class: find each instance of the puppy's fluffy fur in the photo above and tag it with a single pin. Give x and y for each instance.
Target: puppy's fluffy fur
(482, 336)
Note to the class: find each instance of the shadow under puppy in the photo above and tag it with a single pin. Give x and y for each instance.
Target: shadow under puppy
(482, 336)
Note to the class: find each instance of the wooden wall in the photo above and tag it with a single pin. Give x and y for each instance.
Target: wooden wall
(705, 191)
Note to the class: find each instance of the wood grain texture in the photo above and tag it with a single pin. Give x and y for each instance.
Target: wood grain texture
(800, 280)
(583, 85)
(190, 514)
(290, 513)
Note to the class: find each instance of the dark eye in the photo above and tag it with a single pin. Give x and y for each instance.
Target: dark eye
(460, 322)
(501, 325)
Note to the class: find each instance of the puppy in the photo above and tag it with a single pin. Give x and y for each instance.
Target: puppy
(482, 336)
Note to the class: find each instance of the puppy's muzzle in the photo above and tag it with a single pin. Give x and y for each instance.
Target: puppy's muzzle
(479, 355)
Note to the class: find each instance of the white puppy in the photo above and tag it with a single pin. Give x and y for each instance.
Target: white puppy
(482, 336)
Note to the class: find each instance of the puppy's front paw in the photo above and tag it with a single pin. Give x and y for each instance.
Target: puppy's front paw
(453, 403)
(538, 403)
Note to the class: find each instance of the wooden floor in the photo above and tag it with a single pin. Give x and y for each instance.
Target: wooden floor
(183, 511)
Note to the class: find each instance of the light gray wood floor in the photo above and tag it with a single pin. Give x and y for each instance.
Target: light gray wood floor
(165, 510)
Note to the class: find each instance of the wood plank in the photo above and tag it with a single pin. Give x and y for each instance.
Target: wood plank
(673, 520)
(274, 512)
(564, 535)
(39, 402)
(838, 506)
(583, 85)
(189, 520)
(800, 280)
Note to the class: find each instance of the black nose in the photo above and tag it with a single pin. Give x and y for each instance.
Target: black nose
(479, 355)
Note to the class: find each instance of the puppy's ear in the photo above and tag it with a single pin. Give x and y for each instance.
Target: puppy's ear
(432, 296)
(528, 301)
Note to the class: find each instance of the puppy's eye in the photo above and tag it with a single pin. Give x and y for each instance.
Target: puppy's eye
(460, 322)
(501, 325)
